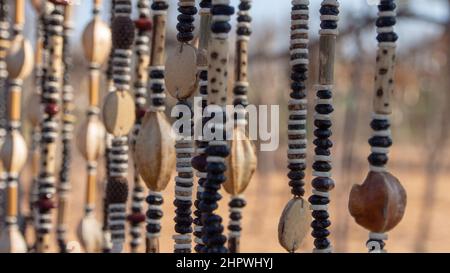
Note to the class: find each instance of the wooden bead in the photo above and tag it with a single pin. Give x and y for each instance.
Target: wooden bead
(97, 41)
(20, 58)
(181, 72)
(90, 234)
(14, 152)
(294, 224)
(34, 109)
(91, 138)
(119, 113)
(241, 164)
(379, 203)
(155, 151)
(217, 72)
(12, 241)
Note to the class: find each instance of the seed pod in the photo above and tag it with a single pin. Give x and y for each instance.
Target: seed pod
(97, 41)
(90, 234)
(155, 151)
(294, 224)
(119, 113)
(12, 241)
(241, 164)
(14, 152)
(123, 32)
(20, 58)
(181, 72)
(379, 203)
(91, 138)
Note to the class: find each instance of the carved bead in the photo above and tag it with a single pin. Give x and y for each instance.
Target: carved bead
(379, 203)
(14, 152)
(91, 138)
(155, 151)
(241, 164)
(97, 41)
(20, 58)
(119, 113)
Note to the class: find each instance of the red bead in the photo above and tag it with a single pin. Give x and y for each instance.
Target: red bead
(143, 24)
(136, 218)
(140, 113)
(45, 204)
(51, 109)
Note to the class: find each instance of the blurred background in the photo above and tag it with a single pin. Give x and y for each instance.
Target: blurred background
(419, 157)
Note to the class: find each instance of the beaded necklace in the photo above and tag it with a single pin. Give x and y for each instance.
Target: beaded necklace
(217, 149)
(181, 82)
(13, 153)
(241, 164)
(155, 152)
(118, 117)
(379, 203)
(199, 161)
(97, 45)
(295, 219)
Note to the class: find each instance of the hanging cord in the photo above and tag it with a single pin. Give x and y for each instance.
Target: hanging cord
(322, 182)
(49, 134)
(199, 161)
(142, 54)
(67, 136)
(118, 115)
(217, 149)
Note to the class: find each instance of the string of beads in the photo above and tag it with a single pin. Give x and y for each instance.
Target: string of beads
(322, 182)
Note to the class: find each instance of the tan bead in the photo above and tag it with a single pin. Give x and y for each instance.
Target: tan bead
(218, 72)
(20, 58)
(294, 224)
(155, 151)
(33, 109)
(90, 234)
(14, 152)
(12, 240)
(91, 138)
(379, 203)
(241, 164)
(181, 72)
(119, 113)
(97, 41)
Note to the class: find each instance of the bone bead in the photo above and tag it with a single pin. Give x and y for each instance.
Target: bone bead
(14, 152)
(20, 58)
(241, 164)
(119, 113)
(34, 109)
(379, 203)
(158, 39)
(217, 72)
(90, 234)
(294, 224)
(181, 72)
(97, 41)
(155, 151)
(91, 138)
(12, 241)
(384, 80)
(326, 59)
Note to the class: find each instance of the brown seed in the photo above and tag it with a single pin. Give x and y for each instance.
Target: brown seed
(97, 41)
(181, 72)
(379, 203)
(119, 113)
(91, 138)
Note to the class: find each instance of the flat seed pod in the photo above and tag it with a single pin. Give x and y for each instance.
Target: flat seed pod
(14, 152)
(12, 241)
(294, 224)
(379, 203)
(91, 138)
(155, 151)
(181, 72)
(90, 234)
(241, 164)
(20, 58)
(34, 109)
(119, 113)
(97, 41)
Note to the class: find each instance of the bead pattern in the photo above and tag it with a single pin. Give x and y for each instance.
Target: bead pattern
(322, 182)
(4, 36)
